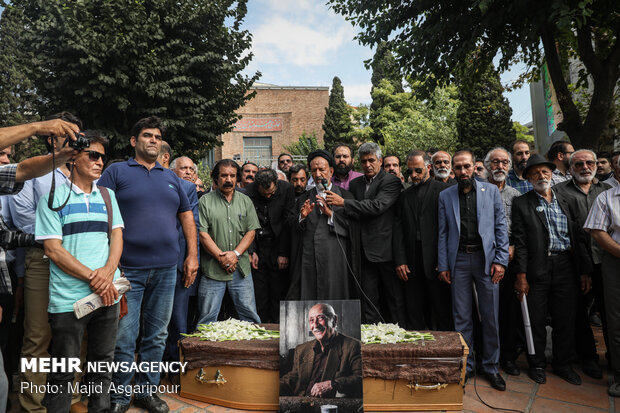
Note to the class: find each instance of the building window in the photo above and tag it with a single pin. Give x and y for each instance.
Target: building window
(257, 150)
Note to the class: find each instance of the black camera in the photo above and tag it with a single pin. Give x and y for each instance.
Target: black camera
(80, 142)
(9, 240)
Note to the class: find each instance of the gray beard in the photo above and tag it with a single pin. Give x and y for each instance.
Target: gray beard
(441, 175)
(499, 176)
(584, 179)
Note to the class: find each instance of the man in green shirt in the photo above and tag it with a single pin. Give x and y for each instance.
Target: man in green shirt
(228, 223)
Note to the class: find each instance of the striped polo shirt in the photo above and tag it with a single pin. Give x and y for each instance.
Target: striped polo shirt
(82, 225)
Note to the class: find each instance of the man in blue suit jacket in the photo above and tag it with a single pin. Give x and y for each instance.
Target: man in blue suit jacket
(473, 245)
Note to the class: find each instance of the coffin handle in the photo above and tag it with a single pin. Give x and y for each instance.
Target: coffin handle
(218, 379)
(416, 386)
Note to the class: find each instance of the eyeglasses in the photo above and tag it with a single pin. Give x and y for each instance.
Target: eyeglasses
(504, 162)
(94, 156)
(581, 164)
(416, 170)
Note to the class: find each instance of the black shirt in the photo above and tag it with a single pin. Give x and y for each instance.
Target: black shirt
(419, 195)
(469, 217)
(319, 363)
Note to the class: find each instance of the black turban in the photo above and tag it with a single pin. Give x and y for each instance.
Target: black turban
(323, 154)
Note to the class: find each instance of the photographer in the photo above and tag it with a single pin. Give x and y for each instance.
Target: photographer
(32, 291)
(11, 178)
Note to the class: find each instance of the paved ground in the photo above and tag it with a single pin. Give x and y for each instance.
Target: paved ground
(522, 394)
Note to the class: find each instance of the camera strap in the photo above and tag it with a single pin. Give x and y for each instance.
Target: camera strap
(50, 200)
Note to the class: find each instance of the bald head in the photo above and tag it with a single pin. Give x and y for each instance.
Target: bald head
(184, 168)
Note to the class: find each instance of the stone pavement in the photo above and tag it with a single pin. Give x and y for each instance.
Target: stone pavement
(521, 394)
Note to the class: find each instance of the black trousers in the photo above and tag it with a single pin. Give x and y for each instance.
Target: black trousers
(67, 333)
(611, 281)
(428, 301)
(554, 292)
(584, 338)
(510, 318)
(269, 282)
(379, 280)
(599, 299)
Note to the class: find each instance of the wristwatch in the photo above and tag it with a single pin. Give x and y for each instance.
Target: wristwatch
(237, 253)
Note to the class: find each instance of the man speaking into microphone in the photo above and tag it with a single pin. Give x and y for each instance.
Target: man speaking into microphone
(321, 239)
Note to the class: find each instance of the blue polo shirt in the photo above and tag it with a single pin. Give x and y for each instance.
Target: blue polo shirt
(149, 202)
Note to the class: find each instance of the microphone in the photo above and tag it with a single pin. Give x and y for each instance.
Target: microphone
(324, 183)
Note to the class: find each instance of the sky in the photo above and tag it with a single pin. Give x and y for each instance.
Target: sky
(304, 43)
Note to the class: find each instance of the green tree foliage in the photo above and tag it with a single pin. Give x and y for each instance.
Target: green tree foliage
(17, 96)
(384, 67)
(362, 132)
(113, 62)
(337, 123)
(522, 132)
(413, 123)
(436, 38)
(307, 143)
(483, 118)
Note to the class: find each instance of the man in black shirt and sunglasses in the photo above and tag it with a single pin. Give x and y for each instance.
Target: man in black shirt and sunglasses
(415, 248)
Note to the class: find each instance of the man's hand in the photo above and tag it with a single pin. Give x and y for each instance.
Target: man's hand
(322, 205)
(319, 389)
(521, 286)
(100, 279)
(56, 127)
(445, 277)
(497, 272)
(282, 263)
(402, 271)
(511, 252)
(65, 155)
(334, 199)
(306, 209)
(109, 295)
(254, 261)
(586, 284)
(190, 269)
(0, 313)
(228, 261)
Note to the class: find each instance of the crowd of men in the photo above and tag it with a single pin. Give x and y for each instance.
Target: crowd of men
(447, 243)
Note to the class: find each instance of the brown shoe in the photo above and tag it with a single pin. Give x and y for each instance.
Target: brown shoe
(78, 407)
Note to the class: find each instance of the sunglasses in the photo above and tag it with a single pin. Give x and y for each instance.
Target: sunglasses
(94, 156)
(416, 170)
(581, 164)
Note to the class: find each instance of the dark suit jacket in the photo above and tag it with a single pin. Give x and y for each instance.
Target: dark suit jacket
(405, 227)
(344, 367)
(531, 237)
(281, 212)
(375, 211)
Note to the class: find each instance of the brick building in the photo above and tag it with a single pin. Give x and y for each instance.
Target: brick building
(275, 117)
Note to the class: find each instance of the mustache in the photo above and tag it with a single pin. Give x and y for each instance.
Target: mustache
(249, 178)
(228, 185)
(318, 329)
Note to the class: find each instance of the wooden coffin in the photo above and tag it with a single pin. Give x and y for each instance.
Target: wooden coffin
(427, 376)
(237, 374)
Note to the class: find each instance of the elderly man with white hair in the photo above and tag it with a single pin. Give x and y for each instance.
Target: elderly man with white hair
(581, 192)
(442, 167)
(498, 162)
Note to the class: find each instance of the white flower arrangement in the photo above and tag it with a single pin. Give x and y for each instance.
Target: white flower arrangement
(390, 334)
(233, 330)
